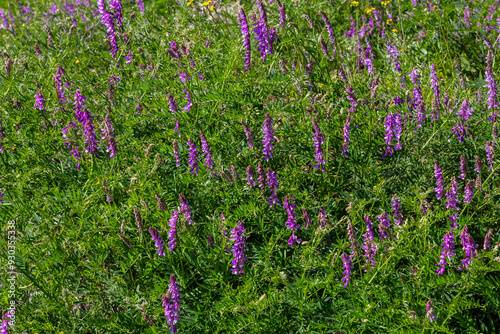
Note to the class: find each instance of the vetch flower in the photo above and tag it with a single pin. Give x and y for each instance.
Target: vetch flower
(109, 135)
(161, 204)
(268, 137)
(155, 235)
(446, 252)
(487, 239)
(396, 206)
(138, 220)
(347, 266)
(465, 112)
(430, 311)
(238, 249)
(305, 216)
(331, 33)
(491, 85)
(352, 238)
(171, 303)
(262, 177)
(469, 192)
(368, 57)
(318, 139)
(350, 96)
(189, 104)
(282, 15)
(490, 155)
(435, 88)
(248, 133)
(173, 230)
(250, 180)
(393, 56)
(368, 244)
(176, 153)
(347, 132)
(291, 222)
(452, 195)
(242, 19)
(385, 223)
(438, 173)
(61, 94)
(272, 183)
(206, 153)
(417, 94)
(264, 35)
(479, 164)
(463, 167)
(193, 155)
(469, 246)
(185, 209)
(39, 101)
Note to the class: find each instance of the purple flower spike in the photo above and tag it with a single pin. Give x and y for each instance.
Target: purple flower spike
(173, 230)
(305, 216)
(272, 183)
(385, 223)
(479, 165)
(108, 21)
(350, 96)
(435, 86)
(469, 192)
(282, 15)
(61, 94)
(447, 251)
(347, 132)
(268, 137)
(250, 180)
(393, 130)
(262, 177)
(319, 155)
(109, 135)
(249, 135)
(463, 167)
(438, 173)
(331, 33)
(189, 104)
(193, 155)
(396, 206)
(155, 235)
(429, 307)
(177, 153)
(452, 195)
(206, 153)
(186, 209)
(469, 246)
(393, 56)
(39, 101)
(490, 155)
(264, 35)
(352, 238)
(491, 85)
(465, 112)
(242, 19)
(347, 266)
(171, 303)
(368, 58)
(487, 239)
(368, 244)
(291, 222)
(238, 249)
(417, 93)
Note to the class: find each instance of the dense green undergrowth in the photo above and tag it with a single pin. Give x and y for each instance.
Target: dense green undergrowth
(73, 215)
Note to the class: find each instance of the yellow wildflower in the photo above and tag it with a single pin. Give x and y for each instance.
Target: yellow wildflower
(369, 10)
(394, 30)
(189, 3)
(77, 61)
(389, 22)
(212, 8)
(208, 2)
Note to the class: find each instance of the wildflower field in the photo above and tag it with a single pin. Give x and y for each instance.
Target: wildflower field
(249, 167)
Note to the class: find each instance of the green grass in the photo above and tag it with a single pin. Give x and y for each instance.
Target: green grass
(75, 273)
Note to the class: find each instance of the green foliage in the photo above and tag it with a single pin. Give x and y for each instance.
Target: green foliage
(76, 274)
